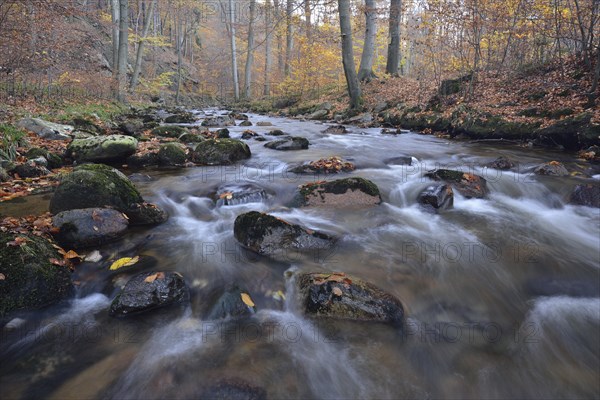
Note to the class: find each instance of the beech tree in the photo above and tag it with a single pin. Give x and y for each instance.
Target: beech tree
(365, 71)
(348, 54)
(393, 52)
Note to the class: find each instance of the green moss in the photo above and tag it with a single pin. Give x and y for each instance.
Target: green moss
(445, 175)
(171, 154)
(169, 131)
(221, 151)
(341, 186)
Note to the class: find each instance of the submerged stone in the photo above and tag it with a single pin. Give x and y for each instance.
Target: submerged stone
(468, 185)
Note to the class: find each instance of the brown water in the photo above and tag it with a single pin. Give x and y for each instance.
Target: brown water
(484, 321)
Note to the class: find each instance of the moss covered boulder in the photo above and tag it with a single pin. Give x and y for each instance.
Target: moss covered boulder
(291, 143)
(337, 295)
(172, 154)
(572, 133)
(269, 235)
(349, 192)
(102, 148)
(171, 131)
(28, 278)
(468, 185)
(148, 291)
(94, 185)
(54, 160)
(220, 152)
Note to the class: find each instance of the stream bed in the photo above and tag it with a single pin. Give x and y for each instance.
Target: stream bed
(502, 294)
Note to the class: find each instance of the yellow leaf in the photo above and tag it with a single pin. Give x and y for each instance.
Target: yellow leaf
(247, 300)
(71, 254)
(124, 262)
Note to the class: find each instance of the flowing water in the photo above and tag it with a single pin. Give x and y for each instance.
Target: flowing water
(502, 294)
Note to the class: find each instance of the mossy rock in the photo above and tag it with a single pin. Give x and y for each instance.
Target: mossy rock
(54, 160)
(94, 185)
(346, 192)
(572, 133)
(30, 280)
(468, 185)
(169, 131)
(102, 148)
(191, 138)
(172, 154)
(220, 152)
(341, 296)
(291, 143)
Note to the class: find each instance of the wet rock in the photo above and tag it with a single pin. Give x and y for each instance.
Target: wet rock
(89, 227)
(191, 137)
(181, 118)
(468, 185)
(572, 133)
(45, 129)
(146, 214)
(402, 160)
(276, 132)
(220, 152)
(86, 125)
(30, 279)
(132, 127)
(269, 235)
(501, 163)
(102, 148)
(554, 286)
(291, 143)
(143, 159)
(364, 118)
(260, 139)
(54, 160)
(240, 195)
(319, 115)
(249, 135)
(337, 295)
(218, 121)
(231, 305)
(336, 130)
(147, 291)
(586, 195)
(246, 123)
(553, 168)
(330, 165)
(222, 133)
(171, 131)
(436, 197)
(387, 131)
(172, 154)
(264, 123)
(4, 177)
(234, 389)
(31, 169)
(239, 116)
(349, 192)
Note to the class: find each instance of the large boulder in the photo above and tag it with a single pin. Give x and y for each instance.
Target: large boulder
(586, 195)
(172, 131)
(89, 227)
(147, 291)
(319, 115)
(337, 295)
(291, 143)
(172, 154)
(45, 129)
(102, 148)
(347, 192)
(219, 121)
(28, 277)
(552, 168)
(220, 152)
(437, 197)
(468, 185)
(573, 132)
(269, 235)
(233, 303)
(501, 163)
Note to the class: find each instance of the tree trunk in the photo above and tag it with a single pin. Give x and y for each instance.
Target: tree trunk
(393, 53)
(123, 47)
(365, 71)
(347, 54)
(307, 20)
(592, 95)
(234, 70)
(114, 6)
(289, 37)
(140, 49)
(250, 52)
(277, 7)
(268, 60)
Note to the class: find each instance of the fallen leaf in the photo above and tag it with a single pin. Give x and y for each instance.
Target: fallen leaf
(71, 254)
(19, 241)
(124, 262)
(2, 276)
(247, 300)
(153, 277)
(226, 195)
(337, 291)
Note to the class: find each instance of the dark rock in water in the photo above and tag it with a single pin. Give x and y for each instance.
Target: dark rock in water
(586, 195)
(171, 131)
(330, 165)
(231, 304)
(30, 169)
(220, 152)
(572, 133)
(468, 185)
(130, 127)
(218, 121)
(437, 197)
(222, 133)
(143, 159)
(562, 287)
(239, 116)
(89, 227)
(276, 132)
(240, 195)
(260, 139)
(147, 291)
(146, 214)
(553, 168)
(264, 123)
(342, 193)
(234, 389)
(246, 123)
(269, 235)
(30, 279)
(172, 154)
(292, 143)
(94, 185)
(102, 148)
(402, 160)
(249, 135)
(337, 295)
(336, 130)
(501, 163)
(181, 118)
(387, 131)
